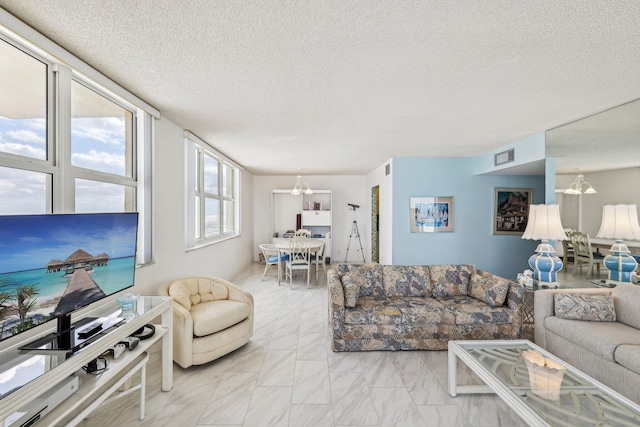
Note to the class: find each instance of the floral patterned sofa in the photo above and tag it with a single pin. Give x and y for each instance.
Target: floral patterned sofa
(393, 307)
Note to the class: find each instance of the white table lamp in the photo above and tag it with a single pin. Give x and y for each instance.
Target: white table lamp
(544, 224)
(619, 222)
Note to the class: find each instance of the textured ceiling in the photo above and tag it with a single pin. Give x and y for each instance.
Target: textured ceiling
(340, 86)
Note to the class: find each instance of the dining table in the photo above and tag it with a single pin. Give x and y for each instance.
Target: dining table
(603, 245)
(282, 244)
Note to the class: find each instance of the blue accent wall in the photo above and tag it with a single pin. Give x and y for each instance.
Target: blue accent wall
(472, 240)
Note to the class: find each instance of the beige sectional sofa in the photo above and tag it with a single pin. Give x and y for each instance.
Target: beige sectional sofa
(605, 345)
(392, 307)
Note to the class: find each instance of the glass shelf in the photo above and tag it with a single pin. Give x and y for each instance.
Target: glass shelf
(25, 374)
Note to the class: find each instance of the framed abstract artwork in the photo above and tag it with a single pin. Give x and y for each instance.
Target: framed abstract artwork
(431, 214)
(511, 210)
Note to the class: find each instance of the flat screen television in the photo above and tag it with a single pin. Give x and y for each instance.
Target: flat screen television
(52, 265)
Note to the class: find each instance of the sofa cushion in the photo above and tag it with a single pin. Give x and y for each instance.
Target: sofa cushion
(213, 316)
(214, 342)
(180, 293)
(198, 289)
(373, 310)
(629, 357)
(423, 311)
(351, 290)
(599, 338)
(215, 291)
(584, 307)
(450, 280)
(406, 280)
(367, 276)
(469, 311)
(626, 298)
(488, 288)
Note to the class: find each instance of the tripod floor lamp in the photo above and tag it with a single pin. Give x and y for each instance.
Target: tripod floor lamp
(544, 224)
(620, 222)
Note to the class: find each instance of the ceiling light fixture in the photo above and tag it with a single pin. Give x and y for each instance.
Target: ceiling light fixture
(300, 187)
(577, 184)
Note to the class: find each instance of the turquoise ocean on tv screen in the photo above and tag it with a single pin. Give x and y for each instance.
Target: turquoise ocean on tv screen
(115, 276)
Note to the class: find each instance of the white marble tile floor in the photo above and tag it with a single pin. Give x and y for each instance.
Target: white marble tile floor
(287, 375)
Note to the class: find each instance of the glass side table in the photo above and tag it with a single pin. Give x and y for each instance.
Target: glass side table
(528, 311)
(527, 303)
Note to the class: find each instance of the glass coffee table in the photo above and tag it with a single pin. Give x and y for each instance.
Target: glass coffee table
(604, 283)
(539, 387)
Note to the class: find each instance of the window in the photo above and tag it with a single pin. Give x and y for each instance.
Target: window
(101, 133)
(212, 185)
(67, 143)
(23, 191)
(23, 103)
(102, 152)
(25, 144)
(113, 197)
(228, 213)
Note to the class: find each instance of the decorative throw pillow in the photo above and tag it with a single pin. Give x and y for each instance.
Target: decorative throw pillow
(351, 291)
(368, 277)
(492, 290)
(450, 280)
(406, 280)
(597, 308)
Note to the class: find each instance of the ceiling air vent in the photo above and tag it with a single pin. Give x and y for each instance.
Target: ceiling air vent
(504, 157)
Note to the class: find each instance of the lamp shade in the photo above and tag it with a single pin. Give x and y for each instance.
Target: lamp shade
(619, 222)
(544, 223)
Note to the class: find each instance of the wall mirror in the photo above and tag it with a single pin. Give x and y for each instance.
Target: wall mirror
(605, 147)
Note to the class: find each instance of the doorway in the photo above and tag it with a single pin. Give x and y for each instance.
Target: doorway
(375, 224)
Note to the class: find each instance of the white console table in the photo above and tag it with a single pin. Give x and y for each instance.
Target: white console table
(91, 388)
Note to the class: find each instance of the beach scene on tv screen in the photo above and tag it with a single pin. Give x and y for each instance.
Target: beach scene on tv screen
(54, 264)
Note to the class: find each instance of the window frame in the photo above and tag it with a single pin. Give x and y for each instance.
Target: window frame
(61, 174)
(195, 222)
(79, 172)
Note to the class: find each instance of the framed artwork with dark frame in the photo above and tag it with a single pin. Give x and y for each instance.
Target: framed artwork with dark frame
(431, 214)
(511, 210)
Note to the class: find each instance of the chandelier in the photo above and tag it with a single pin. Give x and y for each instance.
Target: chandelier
(577, 184)
(300, 187)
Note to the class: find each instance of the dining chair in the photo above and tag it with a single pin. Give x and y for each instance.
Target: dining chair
(567, 249)
(272, 256)
(299, 258)
(303, 232)
(319, 255)
(582, 253)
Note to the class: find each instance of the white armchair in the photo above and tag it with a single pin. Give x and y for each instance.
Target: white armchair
(211, 317)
